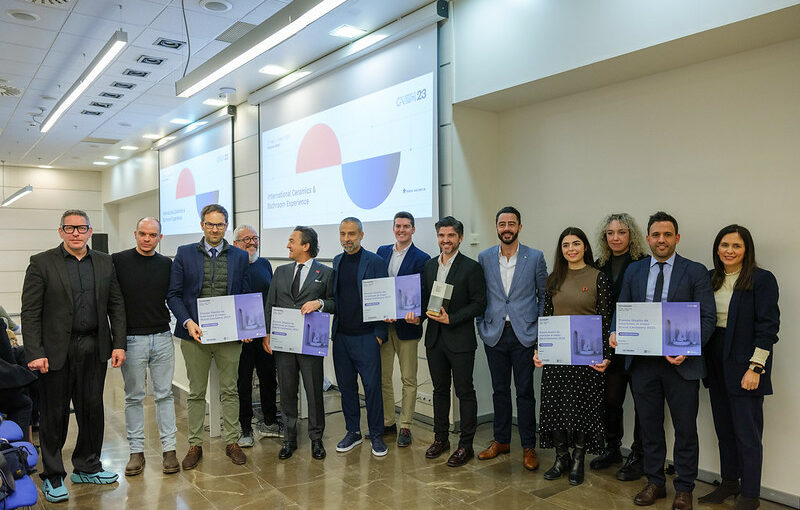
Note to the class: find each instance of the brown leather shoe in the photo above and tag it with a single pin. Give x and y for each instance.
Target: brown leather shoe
(135, 464)
(437, 448)
(234, 451)
(193, 456)
(170, 463)
(529, 459)
(682, 501)
(494, 450)
(650, 494)
(460, 457)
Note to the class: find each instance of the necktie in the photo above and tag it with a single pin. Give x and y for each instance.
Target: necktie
(659, 283)
(213, 253)
(296, 281)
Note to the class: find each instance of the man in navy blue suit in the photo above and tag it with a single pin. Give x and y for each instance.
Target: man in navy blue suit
(666, 276)
(401, 258)
(209, 268)
(357, 344)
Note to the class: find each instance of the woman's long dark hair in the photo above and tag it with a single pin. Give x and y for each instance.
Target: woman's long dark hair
(745, 279)
(560, 264)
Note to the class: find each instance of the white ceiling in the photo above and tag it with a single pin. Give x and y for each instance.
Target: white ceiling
(44, 58)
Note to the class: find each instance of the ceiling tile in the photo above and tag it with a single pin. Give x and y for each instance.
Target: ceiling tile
(26, 35)
(240, 8)
(98, 28)
(20, 53)
(49, 18)
(134, 12)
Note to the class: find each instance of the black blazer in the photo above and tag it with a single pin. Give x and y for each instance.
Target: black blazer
(753, 321)
(616, 286)
(467, 302)
(47, 307)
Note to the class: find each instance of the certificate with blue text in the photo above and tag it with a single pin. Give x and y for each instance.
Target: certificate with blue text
(291, 331)
(231, 318)
(571, 340)
(391, 298)
(659, 329)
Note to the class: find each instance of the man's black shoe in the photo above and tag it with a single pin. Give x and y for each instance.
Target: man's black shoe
(287, 449)
(608, 458)
(317, 450)
(633, 469)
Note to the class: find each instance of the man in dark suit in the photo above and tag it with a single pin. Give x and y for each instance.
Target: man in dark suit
(356, 344)
(306, 285)
(401, 258)
(69, 296)
(209, 268)
(666, 276)
(450, 340)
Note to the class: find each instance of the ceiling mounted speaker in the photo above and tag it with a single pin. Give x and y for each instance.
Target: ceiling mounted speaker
(25, 16)
(216, 5)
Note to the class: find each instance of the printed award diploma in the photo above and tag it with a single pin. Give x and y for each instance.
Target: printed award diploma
(391, 298)
(659, 329)
(291, 331)
(231, 318)
(571, 340)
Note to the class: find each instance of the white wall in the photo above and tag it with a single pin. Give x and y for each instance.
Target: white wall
(30, 224)
(712, 143)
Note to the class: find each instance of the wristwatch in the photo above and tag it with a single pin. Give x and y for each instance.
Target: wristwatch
(757, 368)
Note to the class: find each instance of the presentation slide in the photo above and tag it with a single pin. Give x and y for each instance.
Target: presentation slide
(369, 157)
(188, 186)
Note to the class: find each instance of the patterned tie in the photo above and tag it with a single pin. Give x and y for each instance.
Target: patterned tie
(296, 281)
(659, 283)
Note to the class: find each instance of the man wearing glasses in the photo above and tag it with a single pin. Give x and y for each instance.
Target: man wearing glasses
(69, 297)
(253, 356)
(209, 268)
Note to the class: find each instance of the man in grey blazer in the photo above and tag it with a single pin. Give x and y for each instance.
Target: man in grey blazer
(515, 281)
(307, 285)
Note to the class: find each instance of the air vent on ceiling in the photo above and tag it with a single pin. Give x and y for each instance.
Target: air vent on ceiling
(235, 32)
(90, 112)
(25, 16)
(100, 105)
(105, 141)
(172, 44)
(50, 3)
(153, 61)
(123, 85)
(112, 95)
(7, 90)
(135, 73)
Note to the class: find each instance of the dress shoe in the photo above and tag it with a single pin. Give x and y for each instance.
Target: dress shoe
(494, 450)
(404, 438)
(193, 456)
(576, 471)
(437, 448)
(529, 459)
(633, 469)
(170, 463)
(682, 501)
(317, 450)
(650, 494)
(288, 448)
(722, 492)
(609, 457)
(135, 465)
(235, 452)
(461, 456)
(745, 503)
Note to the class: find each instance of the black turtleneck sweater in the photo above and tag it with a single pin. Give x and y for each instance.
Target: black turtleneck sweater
(348, 301)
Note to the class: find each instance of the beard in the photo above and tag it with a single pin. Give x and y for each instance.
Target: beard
(514, 236)
(253, 256)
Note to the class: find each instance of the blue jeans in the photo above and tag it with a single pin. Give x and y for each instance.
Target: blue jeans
(354, 356)
(157, 352)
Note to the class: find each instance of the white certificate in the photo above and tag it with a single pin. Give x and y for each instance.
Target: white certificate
(291, 331)
(391, 298)
(659, 329)
(231, 318)
(571, 340)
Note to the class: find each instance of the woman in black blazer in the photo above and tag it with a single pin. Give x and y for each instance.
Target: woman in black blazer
(739, 359)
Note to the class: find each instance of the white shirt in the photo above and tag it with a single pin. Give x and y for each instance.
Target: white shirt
(444, 269)
(304, 274)
(507, 266)
(397, 259)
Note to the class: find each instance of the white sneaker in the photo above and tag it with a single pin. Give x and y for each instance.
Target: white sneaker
(246, 440)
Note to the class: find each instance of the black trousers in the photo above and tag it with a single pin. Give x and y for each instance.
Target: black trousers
(290, 366)
(255, 357)
(443, 364)
(17, 407)
(507, 357)
(654, 381)
(80, 380)
(739, 422)
(617, 381)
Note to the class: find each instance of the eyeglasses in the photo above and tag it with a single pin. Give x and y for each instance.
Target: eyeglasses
(249, 239)
(69, 229)
(214, 226)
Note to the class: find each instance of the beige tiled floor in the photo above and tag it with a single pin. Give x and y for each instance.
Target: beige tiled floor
(402, 480)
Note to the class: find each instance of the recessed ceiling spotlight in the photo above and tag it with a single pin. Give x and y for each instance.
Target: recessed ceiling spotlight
(98, 104)
(25, 16)
(215, 102)
(112, 95)
(45, 166)
(347, 32)
(123, 85)
(129, 148)
(100, 163)
(153, 61)
(91, 112)
(273, 70)
(151, 136)
(136, 73)
(172, 44)
(112, 158)
(180, 121)
(216, 5)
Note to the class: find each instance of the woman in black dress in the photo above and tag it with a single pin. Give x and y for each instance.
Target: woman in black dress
(572, 396)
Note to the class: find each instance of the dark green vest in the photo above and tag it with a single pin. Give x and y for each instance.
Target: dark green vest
(215, 273)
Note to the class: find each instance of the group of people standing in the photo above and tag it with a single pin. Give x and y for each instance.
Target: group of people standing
(81, 307)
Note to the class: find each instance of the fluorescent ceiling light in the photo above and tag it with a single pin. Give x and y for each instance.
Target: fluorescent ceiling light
(180, 121)
(215, 102)
(208, 74)
(164, 140)
(151, 136)
(129, 148)
(347, 32)
(100, 62)
(273, 70)
(100, 163)
(367, 41)
(45, 166)
(111, 157)
(17, 195)
(195, 125)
